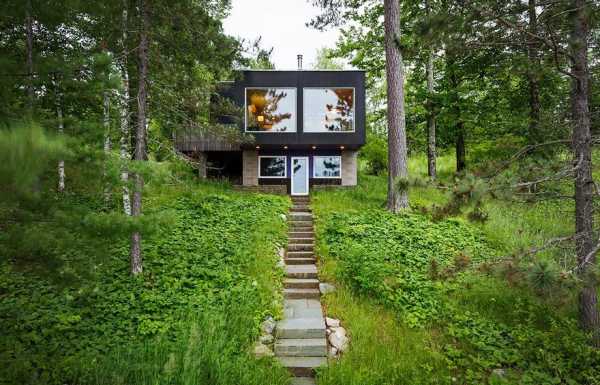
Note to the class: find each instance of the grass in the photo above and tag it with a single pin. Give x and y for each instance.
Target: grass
(483, 309)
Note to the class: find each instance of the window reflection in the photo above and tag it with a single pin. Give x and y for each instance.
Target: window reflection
(327, 166)
(272, 166)
(328, 109)
(271, 109)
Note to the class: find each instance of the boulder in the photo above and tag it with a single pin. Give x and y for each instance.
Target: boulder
(339, 340)
(262, 350)
(332, 322)
(283, 216)
(333, 352)
(326, 288)
(268, 325)
(281, 252)
(338, 329)
(266, 339)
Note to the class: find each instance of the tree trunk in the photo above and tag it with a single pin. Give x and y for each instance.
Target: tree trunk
(29, 56)
(431, 150)
(397, 184)
(61, 130)
(459, 124)
(140, 137)
(584, 184)
(125, 137)
(532, 77)
(107, 142)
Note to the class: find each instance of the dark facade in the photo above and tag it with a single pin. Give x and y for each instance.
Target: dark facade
(307, 128)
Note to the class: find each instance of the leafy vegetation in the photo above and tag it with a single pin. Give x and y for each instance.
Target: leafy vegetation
(209, 280)
(474, 324)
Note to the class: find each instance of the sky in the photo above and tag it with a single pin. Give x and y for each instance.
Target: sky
(281, 23)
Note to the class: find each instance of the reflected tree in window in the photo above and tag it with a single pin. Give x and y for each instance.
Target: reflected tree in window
(328, 109)
(270, 109)
(327, 166)
(272, 167)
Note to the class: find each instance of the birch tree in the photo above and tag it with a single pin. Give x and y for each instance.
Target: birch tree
(124, 116)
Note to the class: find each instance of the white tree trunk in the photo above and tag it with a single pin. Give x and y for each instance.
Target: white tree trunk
(125, 135)
(61, 130)
(107, 142)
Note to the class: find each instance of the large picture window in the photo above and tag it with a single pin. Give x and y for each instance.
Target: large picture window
(327, 167)
(272, 166)
(328, 109)
(271, 109)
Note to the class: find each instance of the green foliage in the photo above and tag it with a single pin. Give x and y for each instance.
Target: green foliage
(375, 154)
(217, 249)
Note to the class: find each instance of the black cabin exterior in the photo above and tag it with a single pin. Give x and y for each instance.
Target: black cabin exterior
(307, 128)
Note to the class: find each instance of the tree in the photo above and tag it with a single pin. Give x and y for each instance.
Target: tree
(325, 60)
(397, 151)
(587, 246)
(431, 150)
(140, 135)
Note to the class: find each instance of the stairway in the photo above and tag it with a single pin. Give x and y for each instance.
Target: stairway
(301, 345)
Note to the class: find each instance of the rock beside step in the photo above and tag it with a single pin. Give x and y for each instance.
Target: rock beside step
(304, 347)
(302, 366)
(301, 293)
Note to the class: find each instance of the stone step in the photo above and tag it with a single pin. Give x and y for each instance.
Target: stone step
(300, 261)
(300, 247)
(301, 328)
(300, 198)
(302, 366)
(295, 224)
(303, 381)
(301, 234)
(301, 293)
(300, 229)
(302, 347)
(302, 308)
(301, 271)
(300, 209)
(301, 240)
(300, 217)
(301, 283)
(299, 254)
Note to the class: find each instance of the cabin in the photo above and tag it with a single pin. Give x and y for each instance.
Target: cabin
(306, 128)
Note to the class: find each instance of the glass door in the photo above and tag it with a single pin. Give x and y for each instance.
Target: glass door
(299, 176)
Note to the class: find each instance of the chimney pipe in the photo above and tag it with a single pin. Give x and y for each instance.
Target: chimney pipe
(299, 61)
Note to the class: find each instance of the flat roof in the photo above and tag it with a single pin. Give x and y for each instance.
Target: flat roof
(302, 70)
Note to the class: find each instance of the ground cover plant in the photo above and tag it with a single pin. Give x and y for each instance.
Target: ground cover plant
(192, 317)
(432, 275)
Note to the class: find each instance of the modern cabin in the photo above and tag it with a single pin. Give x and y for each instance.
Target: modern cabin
(307, 127)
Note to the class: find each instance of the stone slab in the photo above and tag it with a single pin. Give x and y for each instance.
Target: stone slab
(301, 328)
(302, 347)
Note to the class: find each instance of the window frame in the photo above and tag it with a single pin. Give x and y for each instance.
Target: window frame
(328, 132)
(295, 116)
(273, 156)
(314, 173)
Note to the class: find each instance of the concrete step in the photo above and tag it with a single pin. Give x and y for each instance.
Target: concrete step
(300, 247)
(300, 216)
(300, 229)
(303, 381)
(302, 366)
(303, 347)
(301, 293)
(301, 328)
(300, 209)
(300, 198)
(301, 234)
(299, 254)
(301, 271)
(301, 240)
(302, 308)
(300, 261)
(300, 283)
(295, 223)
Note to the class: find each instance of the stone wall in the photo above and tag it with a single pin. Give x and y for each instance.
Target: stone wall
(265, 189)
(349, 168)
(250, 168)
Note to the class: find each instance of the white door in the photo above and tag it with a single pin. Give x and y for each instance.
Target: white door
(299, 176)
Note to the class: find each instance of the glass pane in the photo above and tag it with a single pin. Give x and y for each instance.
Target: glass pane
(300, 172)
(328, 109)
(327, 166)
(272, 166)
(271, 109)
